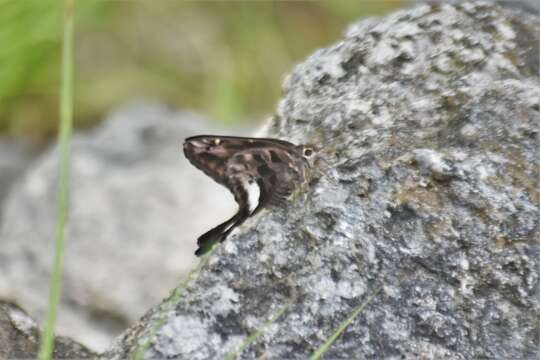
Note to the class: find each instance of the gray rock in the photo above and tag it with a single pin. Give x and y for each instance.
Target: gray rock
(137, 208)
(19, 337)
(15, 157)
(525, 5)
(428, 187)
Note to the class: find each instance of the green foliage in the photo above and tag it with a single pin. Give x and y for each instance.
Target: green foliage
(30, 63)
(30, 53)
(222, 58)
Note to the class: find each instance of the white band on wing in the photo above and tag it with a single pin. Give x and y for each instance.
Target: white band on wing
(254, 194)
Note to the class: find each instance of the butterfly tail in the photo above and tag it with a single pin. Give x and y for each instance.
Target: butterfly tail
(205, 247)
(207, 240)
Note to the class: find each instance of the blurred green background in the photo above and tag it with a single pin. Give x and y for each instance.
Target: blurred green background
(224, 59)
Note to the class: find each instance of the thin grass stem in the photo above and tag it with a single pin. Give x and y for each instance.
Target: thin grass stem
(64, 136)
(328, 343)
(251, 338)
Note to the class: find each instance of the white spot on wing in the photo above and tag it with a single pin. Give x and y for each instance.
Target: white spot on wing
(254, 194)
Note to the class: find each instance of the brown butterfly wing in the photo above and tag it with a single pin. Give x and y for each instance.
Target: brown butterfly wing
(273, 167)
(210, 153)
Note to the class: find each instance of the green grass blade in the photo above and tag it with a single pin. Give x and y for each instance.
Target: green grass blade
(251, 338)
(324, 348)
(66, 119)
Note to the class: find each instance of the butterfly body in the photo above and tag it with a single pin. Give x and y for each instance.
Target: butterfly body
(257, 171)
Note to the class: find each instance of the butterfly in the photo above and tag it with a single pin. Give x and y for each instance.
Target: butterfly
(257, 171)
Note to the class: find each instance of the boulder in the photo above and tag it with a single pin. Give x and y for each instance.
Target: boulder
(15, 158)
(427, 188)
(19, 337)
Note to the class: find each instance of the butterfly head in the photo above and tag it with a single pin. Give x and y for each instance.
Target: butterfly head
(309, 153)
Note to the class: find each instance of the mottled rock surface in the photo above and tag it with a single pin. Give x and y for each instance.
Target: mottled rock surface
(19, 337)
(137, 207)
(430, 121)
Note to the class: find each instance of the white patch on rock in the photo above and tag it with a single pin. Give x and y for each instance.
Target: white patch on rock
(505, 30)
(226, 301)
(359, 106)
(371, 252)
(396, 328)
(383, 118)
(182, 335)
(22, 321)
(464, 263)
(325, 288)
(458, 155)
(443, 63)
(332, 66)
(431, 160)
(457, 34)
(392, 291)
(350, 290)
(474, 55)
(382, 54)
(466, 285)
(480, 166)
(405, 29)
(422, 104)
(484, 171)
(500, 62)
(230, 247)
(469, 131)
